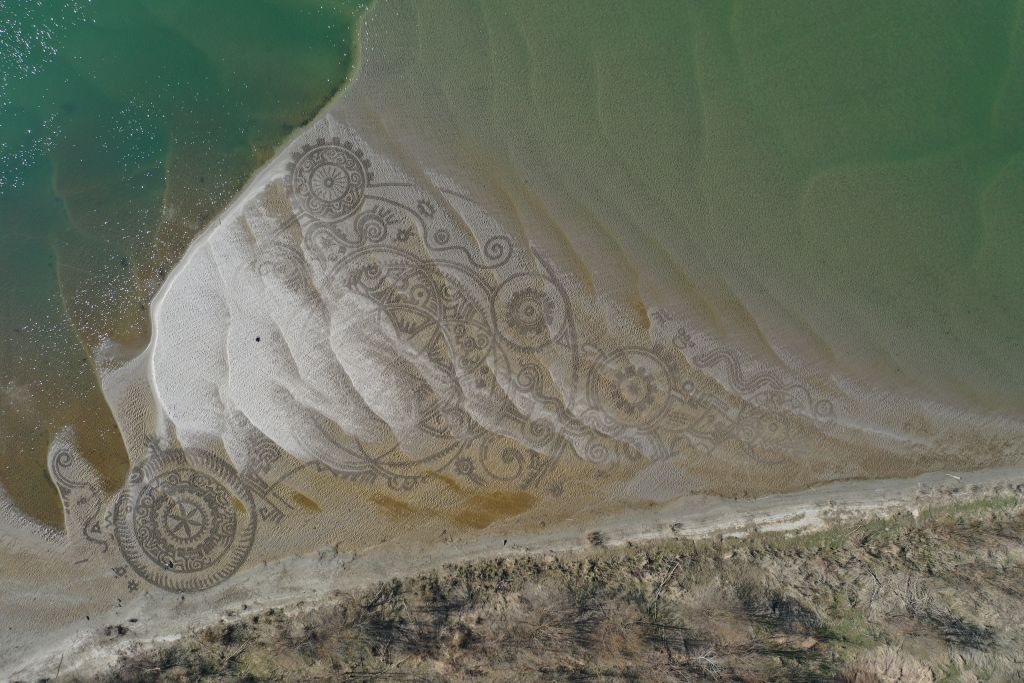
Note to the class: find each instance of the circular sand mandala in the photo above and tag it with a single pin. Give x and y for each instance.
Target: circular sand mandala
(328, 180)
(185, 522)
(632, 387)
(529, 311)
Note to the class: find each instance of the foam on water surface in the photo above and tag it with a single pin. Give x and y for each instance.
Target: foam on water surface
(449, 312)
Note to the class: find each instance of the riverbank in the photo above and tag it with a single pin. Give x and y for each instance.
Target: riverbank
(816, 519)
(474, 308)
(917, 593)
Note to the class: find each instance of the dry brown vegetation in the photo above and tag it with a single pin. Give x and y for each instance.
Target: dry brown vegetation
(933, 598)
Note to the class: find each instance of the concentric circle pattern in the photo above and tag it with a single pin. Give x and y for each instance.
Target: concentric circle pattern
(328, 180)
(185, 522)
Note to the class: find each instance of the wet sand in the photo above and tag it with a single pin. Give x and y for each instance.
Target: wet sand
(303, 582)
(126, 127)
(414, 336)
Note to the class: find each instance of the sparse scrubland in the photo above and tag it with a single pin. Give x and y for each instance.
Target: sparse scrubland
(937, 596)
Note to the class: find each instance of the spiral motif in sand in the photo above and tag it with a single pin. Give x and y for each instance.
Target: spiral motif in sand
(529, 311)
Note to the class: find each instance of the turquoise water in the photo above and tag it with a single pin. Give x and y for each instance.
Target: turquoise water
(850, 173)
(124, 126)
(856, 168)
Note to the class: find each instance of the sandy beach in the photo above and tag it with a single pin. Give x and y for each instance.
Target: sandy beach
(303, 582)
(418, 336)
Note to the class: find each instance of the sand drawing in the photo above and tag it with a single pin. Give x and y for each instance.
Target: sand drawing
(418, 340)
(185, 521)
(482, 368)
(386, 286)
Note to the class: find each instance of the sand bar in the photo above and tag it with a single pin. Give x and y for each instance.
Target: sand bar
(413, 338)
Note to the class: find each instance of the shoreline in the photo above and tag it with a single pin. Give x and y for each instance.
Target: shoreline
(928, 428)
(251, 187)
(794, 514)
(635, 503)
(173, 211)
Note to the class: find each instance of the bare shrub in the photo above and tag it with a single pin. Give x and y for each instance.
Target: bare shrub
(887, 665)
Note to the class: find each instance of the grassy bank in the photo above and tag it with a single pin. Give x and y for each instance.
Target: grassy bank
(934, 596)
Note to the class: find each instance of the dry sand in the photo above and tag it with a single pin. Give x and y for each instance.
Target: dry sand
(403, 349)
(300, 582)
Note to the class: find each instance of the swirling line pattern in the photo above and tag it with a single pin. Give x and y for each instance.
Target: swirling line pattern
(500, 381)
(91, 497)
(766, 388)
(185, 521)
(478, 321)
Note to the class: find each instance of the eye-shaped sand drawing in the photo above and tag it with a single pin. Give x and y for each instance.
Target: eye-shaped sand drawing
(375, 360)
(382, 333)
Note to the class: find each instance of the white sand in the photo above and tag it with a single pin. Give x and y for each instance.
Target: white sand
(301, 582)
(413, 366)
